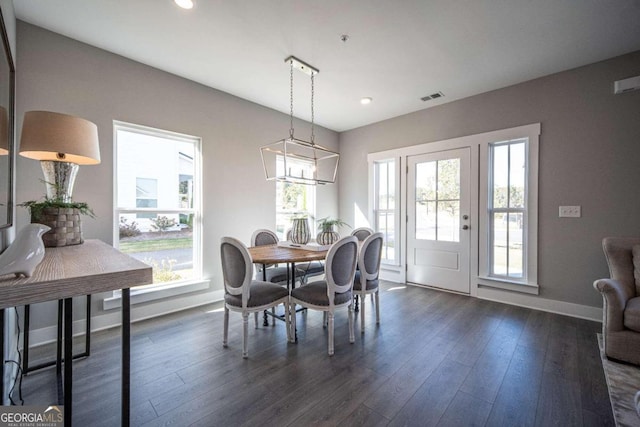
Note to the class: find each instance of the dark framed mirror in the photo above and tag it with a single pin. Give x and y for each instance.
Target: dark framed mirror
(7, 135)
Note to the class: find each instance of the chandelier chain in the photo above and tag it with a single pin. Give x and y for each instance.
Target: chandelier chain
(291, 99)
(312, 111)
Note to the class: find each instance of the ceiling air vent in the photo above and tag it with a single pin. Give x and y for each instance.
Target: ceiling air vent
(432, 96)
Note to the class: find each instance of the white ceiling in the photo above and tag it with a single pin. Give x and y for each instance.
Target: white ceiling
(397, 51)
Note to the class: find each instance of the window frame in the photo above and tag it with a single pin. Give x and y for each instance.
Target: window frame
(529, 281)
(162, 290)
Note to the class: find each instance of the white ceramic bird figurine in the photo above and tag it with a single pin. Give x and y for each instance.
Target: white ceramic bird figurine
(25, 253)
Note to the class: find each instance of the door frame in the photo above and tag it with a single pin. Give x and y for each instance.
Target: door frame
(474, 155)
(399, 273)
(409, 203)
(478, 143)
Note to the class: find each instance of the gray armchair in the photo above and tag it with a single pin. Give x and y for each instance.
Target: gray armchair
(621, 295)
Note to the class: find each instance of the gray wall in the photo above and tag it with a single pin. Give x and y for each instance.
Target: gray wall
(589, 156)
(63, 75)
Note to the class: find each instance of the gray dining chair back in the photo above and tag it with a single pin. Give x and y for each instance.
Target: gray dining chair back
(366, 280)
(362, 233)
(236, 267)
(243, 294)
(333, 292)
(263, 237)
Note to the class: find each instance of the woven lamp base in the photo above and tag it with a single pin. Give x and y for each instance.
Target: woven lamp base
(66, 226)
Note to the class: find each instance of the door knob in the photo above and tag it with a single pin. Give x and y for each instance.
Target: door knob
(465, 227)
(465, 216)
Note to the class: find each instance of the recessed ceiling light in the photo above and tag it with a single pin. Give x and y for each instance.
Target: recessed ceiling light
(366, 100)
(185, 4)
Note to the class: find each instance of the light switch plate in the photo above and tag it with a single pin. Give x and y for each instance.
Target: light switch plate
(570, 212)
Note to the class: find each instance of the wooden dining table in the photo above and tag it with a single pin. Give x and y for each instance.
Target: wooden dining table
(275, 254)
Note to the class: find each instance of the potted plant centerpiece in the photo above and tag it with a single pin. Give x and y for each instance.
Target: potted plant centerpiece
(328, 234)
(63, 217)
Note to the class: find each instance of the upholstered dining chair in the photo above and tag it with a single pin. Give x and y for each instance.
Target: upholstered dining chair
(333, 292)
(621, 297)
(362, 233)
(243, 294)
(366, 279)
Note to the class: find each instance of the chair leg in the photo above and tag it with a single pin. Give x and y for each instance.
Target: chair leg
(226, 327)
(330, 315)
(255, 317)
(292, 313)
(363, 299)
(287, 320)
(324, 319)
(352, 337)
(245, 334)
(377, 308)
(273, 316)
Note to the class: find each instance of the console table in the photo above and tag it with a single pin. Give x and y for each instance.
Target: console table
(71, 271)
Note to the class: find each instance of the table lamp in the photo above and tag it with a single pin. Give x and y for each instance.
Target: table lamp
(61, 142)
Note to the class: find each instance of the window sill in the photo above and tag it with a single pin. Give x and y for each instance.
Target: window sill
(152, 293)
(509, 285)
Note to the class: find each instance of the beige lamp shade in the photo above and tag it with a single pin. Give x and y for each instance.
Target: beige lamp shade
(59, 137)
(4, 132)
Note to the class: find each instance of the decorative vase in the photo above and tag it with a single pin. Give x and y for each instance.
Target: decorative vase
(25, 253)
(65, 224)
(327, 237)
(300, 231)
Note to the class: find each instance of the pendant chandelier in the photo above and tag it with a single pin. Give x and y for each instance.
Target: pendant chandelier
(292, 159)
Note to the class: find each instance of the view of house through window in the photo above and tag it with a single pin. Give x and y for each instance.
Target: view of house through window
(157, 207)
(294, 200)
(507, 208)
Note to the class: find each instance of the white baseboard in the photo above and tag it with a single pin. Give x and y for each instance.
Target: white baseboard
(141, 312)
(542, 304)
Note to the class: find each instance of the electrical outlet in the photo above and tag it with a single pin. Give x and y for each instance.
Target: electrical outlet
(570, 212)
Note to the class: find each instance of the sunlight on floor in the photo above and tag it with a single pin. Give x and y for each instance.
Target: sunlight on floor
(396, 288)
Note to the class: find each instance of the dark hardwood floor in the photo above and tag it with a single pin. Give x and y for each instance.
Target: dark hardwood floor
(436, 359)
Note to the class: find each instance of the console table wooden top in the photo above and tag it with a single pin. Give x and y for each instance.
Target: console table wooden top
(77, 270)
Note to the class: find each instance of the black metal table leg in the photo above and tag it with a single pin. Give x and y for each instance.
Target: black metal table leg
(126, 354)
(59, 359)
(265, 321)
(25, 339)
(2, 357)
(68, 354)
(58, 353)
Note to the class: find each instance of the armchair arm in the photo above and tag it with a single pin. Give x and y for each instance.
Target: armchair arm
(615, 296)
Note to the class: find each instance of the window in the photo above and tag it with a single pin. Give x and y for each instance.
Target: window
(294, 199)
(507, 208)
(385, 207)
(438, 200)
(157, 201)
